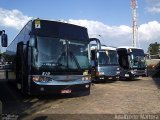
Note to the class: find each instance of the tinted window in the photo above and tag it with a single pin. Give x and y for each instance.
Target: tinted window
(55, 53)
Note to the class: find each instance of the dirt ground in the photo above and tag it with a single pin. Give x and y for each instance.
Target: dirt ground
(140, 96)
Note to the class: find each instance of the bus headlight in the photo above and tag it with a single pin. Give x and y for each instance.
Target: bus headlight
(84, 78)
(35, 78)
(133, 72)
(118, 68)
(41, 79)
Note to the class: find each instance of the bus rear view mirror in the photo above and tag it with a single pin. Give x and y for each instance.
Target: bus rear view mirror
(4, 40)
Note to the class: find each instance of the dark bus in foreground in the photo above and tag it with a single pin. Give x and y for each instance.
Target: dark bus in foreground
(132, 62)
(104, 63)
(48, 58)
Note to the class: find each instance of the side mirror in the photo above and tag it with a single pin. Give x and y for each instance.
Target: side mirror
(97, 41)
(4, 40)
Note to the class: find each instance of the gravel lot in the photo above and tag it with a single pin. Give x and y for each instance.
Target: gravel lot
(140, 96)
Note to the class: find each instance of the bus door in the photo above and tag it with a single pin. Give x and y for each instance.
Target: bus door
(94, 64)
(21, 67)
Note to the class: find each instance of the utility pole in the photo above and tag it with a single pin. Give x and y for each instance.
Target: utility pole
(134, 23)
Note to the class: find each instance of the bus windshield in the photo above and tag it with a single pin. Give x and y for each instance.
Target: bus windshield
(108, 57)
(56, 53)
(137, 52)
(137, 58)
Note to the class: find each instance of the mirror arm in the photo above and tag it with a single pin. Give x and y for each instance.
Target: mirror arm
(2, 32)
(97, 41)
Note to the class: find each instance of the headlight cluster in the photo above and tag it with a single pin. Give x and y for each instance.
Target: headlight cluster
(84, 78)
(118, 71)
(118, 68)
(41, 79)
(133, 71)
(99, 73)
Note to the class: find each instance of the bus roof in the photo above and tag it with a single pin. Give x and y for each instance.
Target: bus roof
(58, 29)
(103, 47)
(128, 47)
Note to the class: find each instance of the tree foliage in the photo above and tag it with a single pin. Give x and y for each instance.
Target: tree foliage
(154, 48)
(7, 58)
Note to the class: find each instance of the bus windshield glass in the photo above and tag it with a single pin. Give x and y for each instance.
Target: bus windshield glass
(57, 54)
(108, 57)
(137, 52)
(137, 58)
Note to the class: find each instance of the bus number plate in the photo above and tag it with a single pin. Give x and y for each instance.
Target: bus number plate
(66, 91)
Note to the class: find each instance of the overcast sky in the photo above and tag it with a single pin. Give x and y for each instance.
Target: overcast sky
(109, 18)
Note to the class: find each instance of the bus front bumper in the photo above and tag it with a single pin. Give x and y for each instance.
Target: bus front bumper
(136, 73)
(105, 78)
(74, 89)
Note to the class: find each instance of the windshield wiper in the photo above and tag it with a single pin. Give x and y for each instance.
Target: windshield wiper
(70, 54)
(75, 59)
(139, 59)
(58, 64)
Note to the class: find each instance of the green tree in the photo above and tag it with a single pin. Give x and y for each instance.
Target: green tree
(7, 58)
(154, 48)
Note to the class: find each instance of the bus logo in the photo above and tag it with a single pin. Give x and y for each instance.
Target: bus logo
(37, 24)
